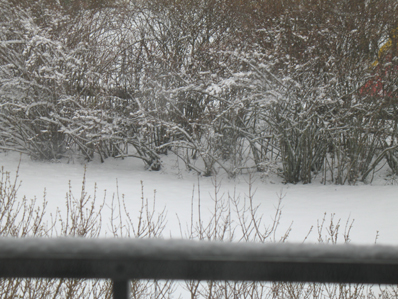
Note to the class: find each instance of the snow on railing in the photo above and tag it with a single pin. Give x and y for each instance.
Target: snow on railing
(124, 259)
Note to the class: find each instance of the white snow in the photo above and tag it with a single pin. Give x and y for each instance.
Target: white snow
(373, 207)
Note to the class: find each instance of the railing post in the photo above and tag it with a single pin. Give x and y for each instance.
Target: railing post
(121, 289)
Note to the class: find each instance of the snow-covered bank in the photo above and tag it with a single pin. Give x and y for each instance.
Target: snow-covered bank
(373, 207)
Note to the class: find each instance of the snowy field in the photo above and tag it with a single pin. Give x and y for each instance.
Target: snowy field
(372, 207)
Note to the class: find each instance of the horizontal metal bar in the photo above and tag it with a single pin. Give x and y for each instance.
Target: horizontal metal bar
(124, 259)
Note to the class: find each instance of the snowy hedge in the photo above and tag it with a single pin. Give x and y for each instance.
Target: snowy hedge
(259, 87)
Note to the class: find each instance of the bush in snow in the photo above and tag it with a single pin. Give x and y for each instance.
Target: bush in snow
(264, 87)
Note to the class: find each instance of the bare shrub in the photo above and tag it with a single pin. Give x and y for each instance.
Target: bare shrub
(232, 217)
(81, 217)
(22, 218)
(236, 218)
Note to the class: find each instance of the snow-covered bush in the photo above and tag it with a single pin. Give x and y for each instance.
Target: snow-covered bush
(264, 87)
(50, 96)
(322, 122)
(35, 97)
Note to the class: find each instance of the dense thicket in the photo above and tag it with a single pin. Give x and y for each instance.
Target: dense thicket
(297, 87)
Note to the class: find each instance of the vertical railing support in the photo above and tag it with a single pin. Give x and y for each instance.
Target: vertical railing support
(121, 289)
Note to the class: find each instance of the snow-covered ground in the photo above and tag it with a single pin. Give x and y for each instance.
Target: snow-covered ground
(372, 207)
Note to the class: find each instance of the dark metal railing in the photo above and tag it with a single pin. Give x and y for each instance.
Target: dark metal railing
(124, 259)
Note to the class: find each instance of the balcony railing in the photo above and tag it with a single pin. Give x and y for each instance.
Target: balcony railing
(125, 259)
